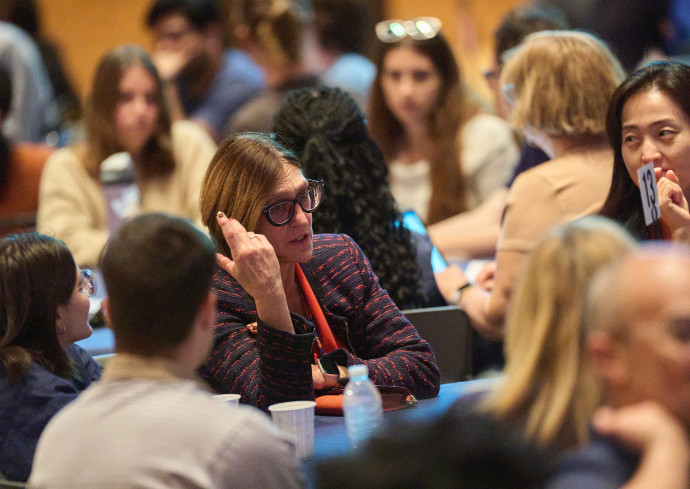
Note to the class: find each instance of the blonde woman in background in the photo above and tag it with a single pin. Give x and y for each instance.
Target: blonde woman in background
(159, 166)
(272, 32)
(560, 84)
(550, 389)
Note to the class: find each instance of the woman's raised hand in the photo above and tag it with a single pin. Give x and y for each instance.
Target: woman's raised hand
(254, 263)
(255, 266)
(673, 204)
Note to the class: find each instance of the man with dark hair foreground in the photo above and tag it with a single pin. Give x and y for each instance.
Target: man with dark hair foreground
(150, 423)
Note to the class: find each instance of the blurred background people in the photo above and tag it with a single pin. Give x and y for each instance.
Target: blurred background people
(549, 390)
(636, 327)
(559, 84)
(82, 198)
(272, 32)
(340, 34)
(34, 112)
(649, 121)
(444, 155)
(204, 80)
(327, 130)
(26, 15)
(44, 309)
(473, 234)
(21, 165)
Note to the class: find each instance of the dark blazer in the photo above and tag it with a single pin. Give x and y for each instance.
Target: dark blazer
(274, 366)
(27, 405)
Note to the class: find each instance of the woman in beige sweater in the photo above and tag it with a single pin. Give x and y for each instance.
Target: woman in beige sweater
(158, 165)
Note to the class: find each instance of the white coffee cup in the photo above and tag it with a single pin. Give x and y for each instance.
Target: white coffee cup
(296, 420)
(229, 399)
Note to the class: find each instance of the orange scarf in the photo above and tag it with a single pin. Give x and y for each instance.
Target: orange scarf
(328, 341)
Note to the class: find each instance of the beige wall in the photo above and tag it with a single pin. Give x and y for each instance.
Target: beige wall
(85, 29)
(468, 25)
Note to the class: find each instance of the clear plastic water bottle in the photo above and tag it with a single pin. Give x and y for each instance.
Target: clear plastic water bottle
(362, 406)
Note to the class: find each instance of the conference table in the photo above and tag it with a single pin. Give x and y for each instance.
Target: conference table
(330, 436)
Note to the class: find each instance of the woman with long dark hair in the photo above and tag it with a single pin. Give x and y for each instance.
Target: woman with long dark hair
(649, 121)
(327, 129)
(444, 155)
(44, 309)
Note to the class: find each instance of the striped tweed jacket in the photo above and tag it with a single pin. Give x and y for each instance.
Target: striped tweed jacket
(274, 366)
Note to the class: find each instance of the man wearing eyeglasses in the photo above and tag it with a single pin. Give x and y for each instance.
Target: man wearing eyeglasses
(203, 81)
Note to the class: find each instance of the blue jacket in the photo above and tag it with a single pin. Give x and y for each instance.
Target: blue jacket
(26, 407)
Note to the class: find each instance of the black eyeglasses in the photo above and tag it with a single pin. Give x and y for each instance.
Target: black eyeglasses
(280, 213)
(421, 28)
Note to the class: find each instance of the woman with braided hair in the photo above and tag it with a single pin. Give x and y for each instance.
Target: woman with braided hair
(327, 129)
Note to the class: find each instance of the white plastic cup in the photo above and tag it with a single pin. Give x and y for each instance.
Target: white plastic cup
(296, 420)
(229, 399)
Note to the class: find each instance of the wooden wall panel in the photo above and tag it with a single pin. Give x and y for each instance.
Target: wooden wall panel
(85, 29)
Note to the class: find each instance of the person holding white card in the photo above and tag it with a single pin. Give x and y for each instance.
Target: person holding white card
(649, 122)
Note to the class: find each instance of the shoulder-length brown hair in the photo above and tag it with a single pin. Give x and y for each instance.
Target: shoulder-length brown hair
(453, 108)
(101, 132)
(37, 274)
(240, 178)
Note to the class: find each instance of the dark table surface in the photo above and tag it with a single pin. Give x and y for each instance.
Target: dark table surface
(330, 436)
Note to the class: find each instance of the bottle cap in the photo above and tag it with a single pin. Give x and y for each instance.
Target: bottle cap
(357, 371)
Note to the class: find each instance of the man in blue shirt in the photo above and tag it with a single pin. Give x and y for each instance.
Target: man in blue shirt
(204, 82)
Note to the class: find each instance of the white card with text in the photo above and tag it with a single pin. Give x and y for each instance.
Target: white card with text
(648, 193)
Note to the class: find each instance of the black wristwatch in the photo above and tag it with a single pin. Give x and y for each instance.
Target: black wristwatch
(459, 291)
(328, 366)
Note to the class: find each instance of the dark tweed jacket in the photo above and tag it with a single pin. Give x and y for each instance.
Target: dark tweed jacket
(274, 366)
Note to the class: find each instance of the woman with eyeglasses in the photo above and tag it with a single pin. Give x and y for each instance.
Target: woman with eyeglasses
(134, 160)
(44, 309)
(444, 155)
(295, 309)
(559, 84)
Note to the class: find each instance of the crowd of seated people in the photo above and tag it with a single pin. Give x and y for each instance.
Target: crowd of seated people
(266, 263)
(559, 84)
